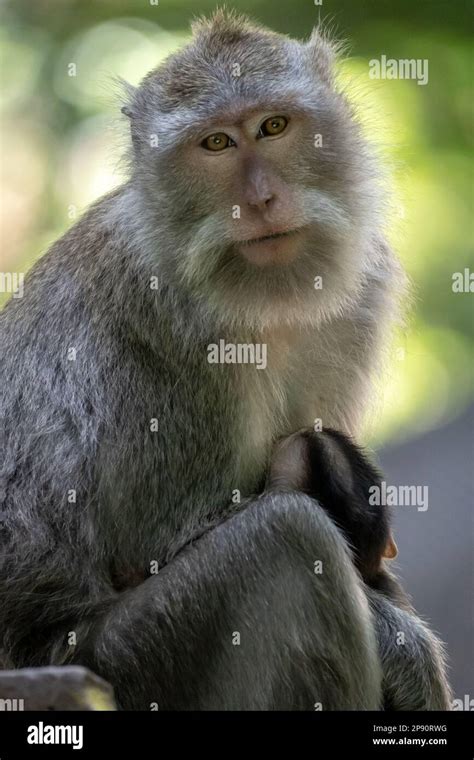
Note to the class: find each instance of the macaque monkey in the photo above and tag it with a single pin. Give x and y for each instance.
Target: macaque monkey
(251, 218)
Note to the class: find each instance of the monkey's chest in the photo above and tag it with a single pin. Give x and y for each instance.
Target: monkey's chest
(276, 401)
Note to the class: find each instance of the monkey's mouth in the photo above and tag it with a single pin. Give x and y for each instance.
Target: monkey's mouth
(266, 238)
(278, 248)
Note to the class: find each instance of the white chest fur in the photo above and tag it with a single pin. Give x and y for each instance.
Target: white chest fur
(312, 377)
(267, 408)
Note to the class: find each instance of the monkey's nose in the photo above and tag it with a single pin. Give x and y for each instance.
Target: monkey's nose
(261, 202)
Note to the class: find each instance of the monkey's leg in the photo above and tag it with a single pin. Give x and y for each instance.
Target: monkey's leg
(414, 669)
(241, 620)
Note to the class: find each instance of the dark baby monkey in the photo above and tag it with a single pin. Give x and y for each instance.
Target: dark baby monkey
(330, 468)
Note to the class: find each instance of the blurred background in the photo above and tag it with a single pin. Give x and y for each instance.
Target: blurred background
(62, 133)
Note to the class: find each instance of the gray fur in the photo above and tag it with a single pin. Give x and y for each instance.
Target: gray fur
(412, 658)
(253, 575)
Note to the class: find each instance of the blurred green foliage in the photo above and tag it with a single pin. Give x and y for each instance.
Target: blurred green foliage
(60, 136)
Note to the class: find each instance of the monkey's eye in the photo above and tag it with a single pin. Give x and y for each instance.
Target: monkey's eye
(273, 126)
(219, 141)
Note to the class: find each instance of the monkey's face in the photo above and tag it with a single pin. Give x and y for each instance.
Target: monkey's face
(260, 182)
(252, 173)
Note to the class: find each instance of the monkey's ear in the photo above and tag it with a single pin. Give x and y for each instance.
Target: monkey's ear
(289, 467)
(391, 549)
(127, 94)
(323, 54)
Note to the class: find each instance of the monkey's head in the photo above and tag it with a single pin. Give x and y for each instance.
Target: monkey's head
(254, 175)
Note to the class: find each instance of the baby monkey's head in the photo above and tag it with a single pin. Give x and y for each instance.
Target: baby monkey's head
(254, 173)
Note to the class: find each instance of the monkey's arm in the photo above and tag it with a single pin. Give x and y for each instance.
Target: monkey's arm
(413, 663)
(238, 620)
